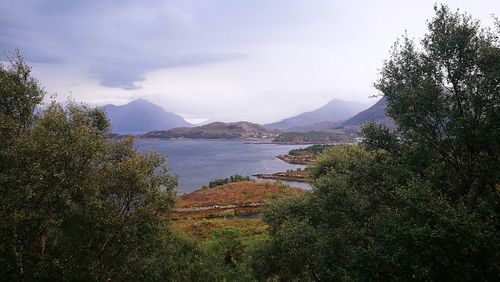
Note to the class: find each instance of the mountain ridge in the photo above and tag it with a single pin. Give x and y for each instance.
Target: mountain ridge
(375, 113)
(333, 111)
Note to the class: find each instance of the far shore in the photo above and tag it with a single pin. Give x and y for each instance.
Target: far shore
(247, 140)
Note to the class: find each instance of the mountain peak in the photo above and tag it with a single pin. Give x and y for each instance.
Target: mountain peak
(140, 116)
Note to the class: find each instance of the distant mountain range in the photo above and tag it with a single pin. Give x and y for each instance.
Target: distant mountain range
(375, 113)
(141, 116)
(334, 111)
(217, 130)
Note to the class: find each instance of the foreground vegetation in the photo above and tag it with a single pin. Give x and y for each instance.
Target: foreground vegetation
(73, 205)
(421, 203)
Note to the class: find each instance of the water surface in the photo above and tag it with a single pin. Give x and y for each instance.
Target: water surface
(197, 162)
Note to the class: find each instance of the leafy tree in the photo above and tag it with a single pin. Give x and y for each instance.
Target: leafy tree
(20, 93)
(418, 204)
(446, 95)
(378, 136)
(74, 204)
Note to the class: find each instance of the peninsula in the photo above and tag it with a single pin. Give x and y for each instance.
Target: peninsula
(217, 130)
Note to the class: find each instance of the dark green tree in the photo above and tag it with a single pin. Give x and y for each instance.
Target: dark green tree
(20, 94)
(75, 205)
(446, 95)
(421, 203)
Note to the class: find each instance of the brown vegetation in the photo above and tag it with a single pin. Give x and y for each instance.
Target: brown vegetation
(199, 213)
(239, 194)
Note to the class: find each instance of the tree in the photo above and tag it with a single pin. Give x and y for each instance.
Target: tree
(74, 204)
(20, 92)
(421, 203)
(446, 95)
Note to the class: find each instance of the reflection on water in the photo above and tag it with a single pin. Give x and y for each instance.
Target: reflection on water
(197, 162)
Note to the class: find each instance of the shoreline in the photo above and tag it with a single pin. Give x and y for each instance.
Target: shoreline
(246, 140)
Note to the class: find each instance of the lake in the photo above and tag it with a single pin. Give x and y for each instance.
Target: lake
(197, 162)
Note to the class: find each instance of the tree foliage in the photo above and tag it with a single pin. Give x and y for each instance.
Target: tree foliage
(20, 94)
(445, 95)
(75, 205)
(421, 203)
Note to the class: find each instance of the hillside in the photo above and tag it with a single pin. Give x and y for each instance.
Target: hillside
(374, 113)
(141, 116)
(335, 110)
(320, 126)
(217, 130)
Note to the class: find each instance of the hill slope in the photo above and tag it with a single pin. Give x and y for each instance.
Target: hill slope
(335, 110)
(217, 130)
(141, 116)
(375, 113)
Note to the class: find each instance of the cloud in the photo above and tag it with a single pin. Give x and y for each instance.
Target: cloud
(115, 41)
(257, 60)
(125, 72)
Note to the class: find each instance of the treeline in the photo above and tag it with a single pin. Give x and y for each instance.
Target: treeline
(313, 150)
(231, 179)
(309, 137)
(421, 203)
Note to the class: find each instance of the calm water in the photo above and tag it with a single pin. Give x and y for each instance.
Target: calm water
(197, 162)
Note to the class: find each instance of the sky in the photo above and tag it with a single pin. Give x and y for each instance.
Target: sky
(224, 60)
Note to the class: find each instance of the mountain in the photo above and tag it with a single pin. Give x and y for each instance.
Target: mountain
(374, 113)
(141, 116)
(320, 126)
(335, 110)
(217, 130)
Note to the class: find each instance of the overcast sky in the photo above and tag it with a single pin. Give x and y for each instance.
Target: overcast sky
(228, 60)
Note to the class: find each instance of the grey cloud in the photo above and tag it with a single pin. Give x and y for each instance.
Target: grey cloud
(117, 42)
(125, 72)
